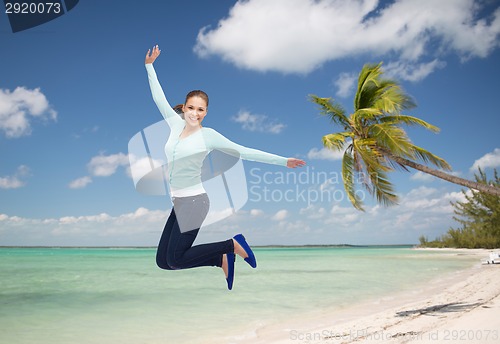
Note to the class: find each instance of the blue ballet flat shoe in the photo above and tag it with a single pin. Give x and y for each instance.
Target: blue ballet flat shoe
(230, 270)
(240, 239)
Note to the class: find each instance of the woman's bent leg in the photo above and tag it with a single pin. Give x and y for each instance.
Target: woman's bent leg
(182, 255)
(161, 253)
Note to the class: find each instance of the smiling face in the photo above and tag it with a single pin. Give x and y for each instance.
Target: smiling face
(195, 111)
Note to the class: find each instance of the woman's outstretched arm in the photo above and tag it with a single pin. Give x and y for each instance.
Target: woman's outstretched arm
(158, 96)
(216, 140)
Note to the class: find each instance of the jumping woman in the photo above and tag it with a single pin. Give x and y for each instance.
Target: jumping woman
(186, 148)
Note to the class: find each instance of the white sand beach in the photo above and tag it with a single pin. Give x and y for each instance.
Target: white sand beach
(459, 308)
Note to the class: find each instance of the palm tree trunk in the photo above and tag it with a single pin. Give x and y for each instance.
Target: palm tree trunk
(490, 189)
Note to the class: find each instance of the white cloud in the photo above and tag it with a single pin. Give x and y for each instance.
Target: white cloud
(141, 227)
(106, 165)
(412, 71)
(423, 177)
(17, 108)
(429, 200)
(298, 36)
(16, 180)
(86, 131)
(280, 215)
(256, 212)
(324, 154)
(488, 160)
(313, 212)
(260, 123)
(422, 211)
(345, 84)
(420, 192)
(215, 216)
(139, 167)
(80, 182)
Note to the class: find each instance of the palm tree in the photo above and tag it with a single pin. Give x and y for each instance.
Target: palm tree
(374, 142)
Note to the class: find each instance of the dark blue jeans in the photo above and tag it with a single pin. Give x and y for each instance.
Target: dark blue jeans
(176, 250)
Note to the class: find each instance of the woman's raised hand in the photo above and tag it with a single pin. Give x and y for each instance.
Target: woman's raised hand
(152, 55)
(292, 163)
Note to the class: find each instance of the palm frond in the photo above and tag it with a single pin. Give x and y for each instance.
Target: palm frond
(409, 120)
(367, 85)
(392, 138)
(328, 107)
(375, 167)
(363, 117)
(382, 187)
(368, 113)
(348, 179)
(336, 141)
(428, 157)
(391, 98)
(370, 156)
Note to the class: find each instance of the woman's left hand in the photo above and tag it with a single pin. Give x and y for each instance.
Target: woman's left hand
(292, 163)
(152, 55)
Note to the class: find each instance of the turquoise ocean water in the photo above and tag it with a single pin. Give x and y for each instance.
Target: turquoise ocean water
(104, 295)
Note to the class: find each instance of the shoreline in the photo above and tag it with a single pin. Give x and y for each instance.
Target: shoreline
(253, 246)
(461, 307)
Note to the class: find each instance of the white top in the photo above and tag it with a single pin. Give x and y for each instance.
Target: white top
(185, 156)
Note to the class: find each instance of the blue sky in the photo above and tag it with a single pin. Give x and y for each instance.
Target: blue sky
(74, 91)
